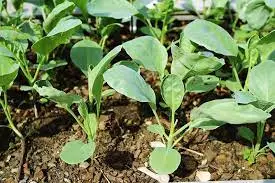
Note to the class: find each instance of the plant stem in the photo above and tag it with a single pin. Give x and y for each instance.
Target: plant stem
(164, 30)
(172, 130)
(76, 119)
(181, 129)
(103, 42)
(157, 118)
(6, 109)
(151, 28)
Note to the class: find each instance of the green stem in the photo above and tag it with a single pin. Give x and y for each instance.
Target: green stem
(159, 123)
(179, 139)
(6, 109)
(44, 58)
(179, 131)
(76, 119)
(103, 42)
(235, 73)
(172, 130)
(151, 28)
(164, 30)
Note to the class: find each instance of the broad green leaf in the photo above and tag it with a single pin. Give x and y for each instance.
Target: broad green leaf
(270, 3)
(232, 85)
(201, 83)
(59, 35)
(150, 53)
(117, 9)
(95, 75)
(157, 129)
(257, 13)
(271, 146)
(132, 86)
(90, 124)
(52, 65)
(107, 30)
(205, 123)
(172, 91)
(227, 110)
(8, 71)
(188, 64)
(76, 151)
(246, 133)
(82, 4)
(86, 53)
(164, 160)
(266, 45)
(59, 12)
(64, 100)
(261, 81)
(212, 37)
(243, 97)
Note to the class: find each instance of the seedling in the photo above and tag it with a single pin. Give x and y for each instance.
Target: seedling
(8, 73)
(160, 12)
(92, 65)
(153, 56)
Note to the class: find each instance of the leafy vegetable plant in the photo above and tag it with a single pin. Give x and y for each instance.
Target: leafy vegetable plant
(190, 67)
(92, 64)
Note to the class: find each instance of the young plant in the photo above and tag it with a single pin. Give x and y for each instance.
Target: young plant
(8, 73)
(215, 113)
(161, 11)
(107, 14)
(87, 56)
(153, 56)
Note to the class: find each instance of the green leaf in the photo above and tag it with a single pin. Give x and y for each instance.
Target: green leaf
(157, 129)
(59, 35)
(12, 34)
(76, 151)
(132, 86)
(64, 100)
(212, 37)
(204, 123)
(271, 146)
(164, 160)
(95, 75)
(83, 110)
(256, 13)
(186, 45)
(8, 72)
(270, 3)
(86, 53)
(261, 81)
(5, 51)
(246, 133)
(201, 83)
(117, 9)
(151, 53)
(188, 64)
(130, 64)
(227, 110)
(33, 29)
(220, 3)
(82, 4)
(52, 65)
(243, 97)
(266, 45)
(172, 90)
(151, 31)
(59, 12)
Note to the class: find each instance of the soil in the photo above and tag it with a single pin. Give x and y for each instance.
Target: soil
(123, 142)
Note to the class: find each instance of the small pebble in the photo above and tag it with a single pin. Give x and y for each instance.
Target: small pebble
(67, 180)
(84, 165)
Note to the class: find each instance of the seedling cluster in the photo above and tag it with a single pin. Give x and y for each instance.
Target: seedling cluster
(205, 56)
